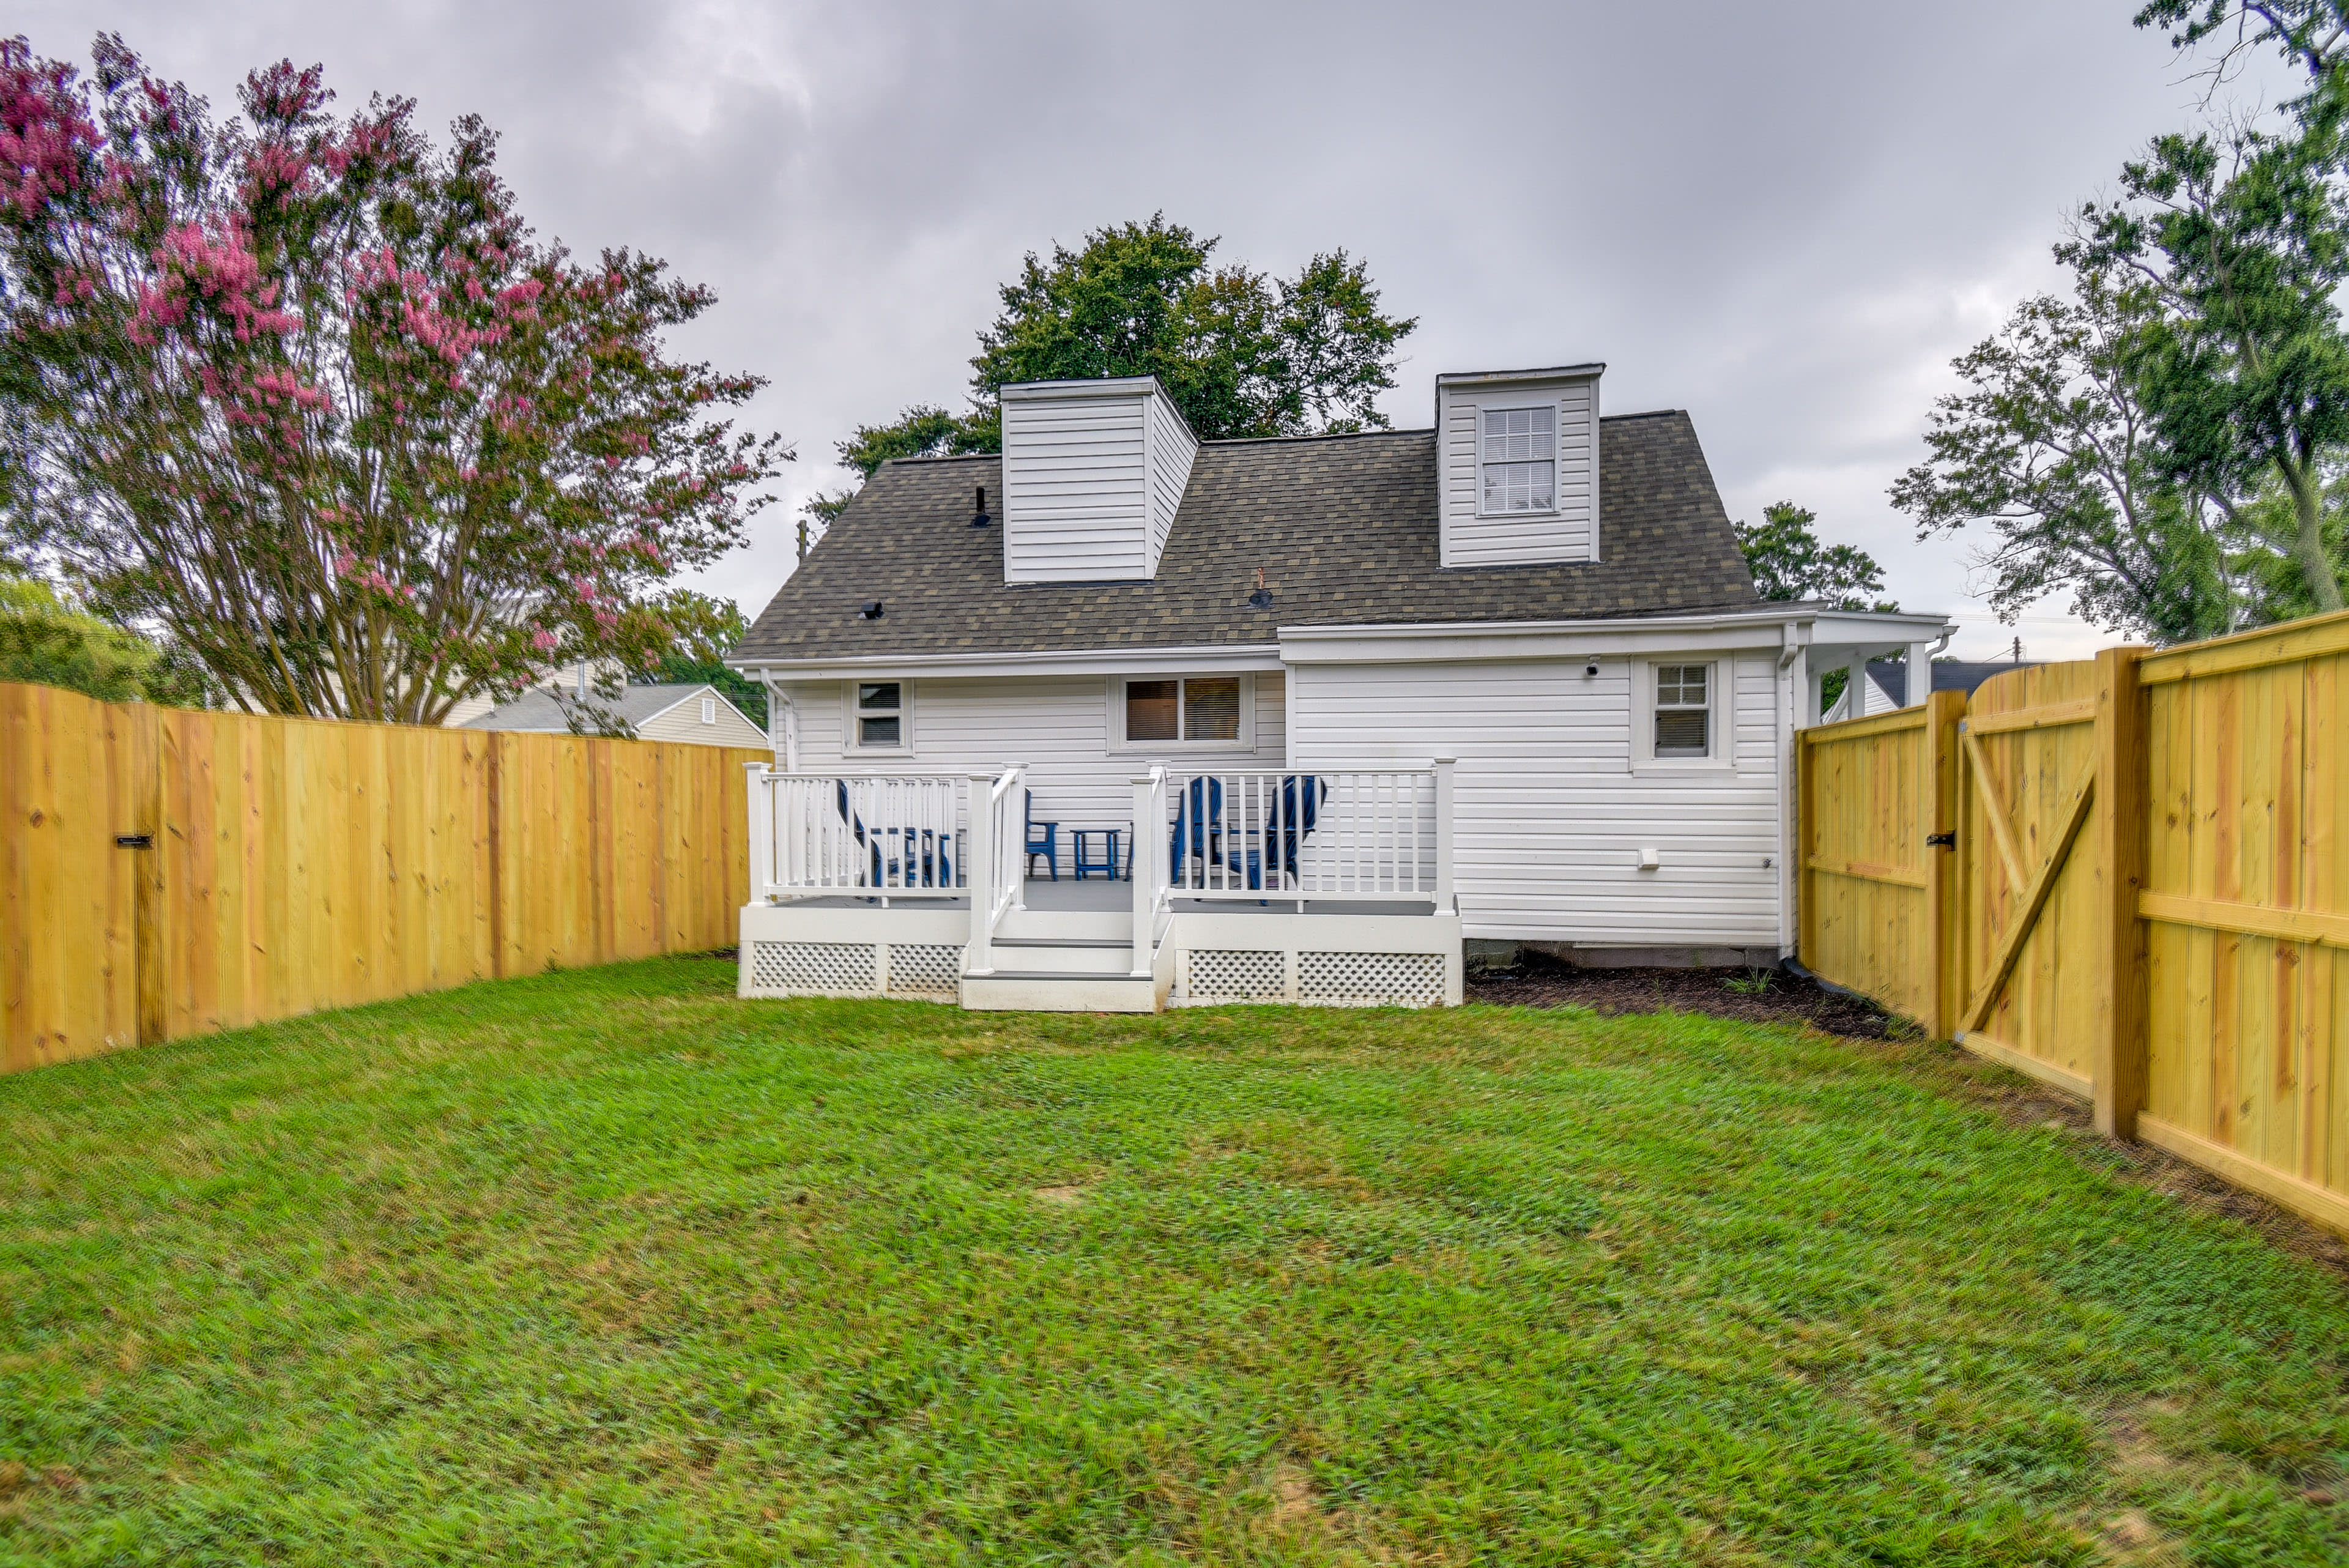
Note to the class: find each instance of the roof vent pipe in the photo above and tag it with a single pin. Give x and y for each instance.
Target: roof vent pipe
(979, 519)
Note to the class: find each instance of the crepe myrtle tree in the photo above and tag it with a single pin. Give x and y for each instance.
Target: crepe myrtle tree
(304, 393)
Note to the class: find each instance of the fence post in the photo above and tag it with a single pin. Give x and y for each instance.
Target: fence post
(981, 860)
(1937, 786)
(150, 905)
(2118, 1049)
(1444, 878)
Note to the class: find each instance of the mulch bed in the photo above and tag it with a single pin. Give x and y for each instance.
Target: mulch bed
(1540, 981)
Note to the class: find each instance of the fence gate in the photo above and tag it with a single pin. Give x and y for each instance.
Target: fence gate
(2030, 965)
(73, 878)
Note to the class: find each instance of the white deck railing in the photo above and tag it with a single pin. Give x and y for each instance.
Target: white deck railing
(998, 856)
(1361, 837)
(1232, 835)
(901, 835)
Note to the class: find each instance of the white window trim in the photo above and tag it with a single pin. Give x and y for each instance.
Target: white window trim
(1119, 743)
(1720, 734)
(1556, 462)
(850, 730)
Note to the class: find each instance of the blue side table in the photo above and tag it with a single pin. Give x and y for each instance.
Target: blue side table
(1108, 865)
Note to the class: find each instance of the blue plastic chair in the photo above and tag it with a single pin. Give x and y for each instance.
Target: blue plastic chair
(927, 855)
(1046, 842)
(1199, 824)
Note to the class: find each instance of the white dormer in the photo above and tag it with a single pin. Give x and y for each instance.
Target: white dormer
(1517, 454)
(1093, 472)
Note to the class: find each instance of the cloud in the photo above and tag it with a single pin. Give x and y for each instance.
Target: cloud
(1785, 219)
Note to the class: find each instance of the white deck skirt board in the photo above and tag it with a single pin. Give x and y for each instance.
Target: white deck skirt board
(1058, 724)
(1551, 812)
(1092, 473)
(1568, 532)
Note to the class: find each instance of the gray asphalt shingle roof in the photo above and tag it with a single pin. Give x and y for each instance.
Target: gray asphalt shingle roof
(1344, 527)
(539, 711)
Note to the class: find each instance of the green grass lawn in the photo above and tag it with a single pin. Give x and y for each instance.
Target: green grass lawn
(608, 1267)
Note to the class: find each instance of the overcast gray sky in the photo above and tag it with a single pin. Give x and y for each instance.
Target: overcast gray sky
(1785, 219)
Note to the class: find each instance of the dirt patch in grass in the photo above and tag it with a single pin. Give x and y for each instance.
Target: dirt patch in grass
(1752, 996)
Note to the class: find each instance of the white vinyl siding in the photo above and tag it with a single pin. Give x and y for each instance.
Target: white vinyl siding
(1091, 482)
(1475, 534)
(1551, 815)
(1059, 725)
(1171, 450)
(683, 722)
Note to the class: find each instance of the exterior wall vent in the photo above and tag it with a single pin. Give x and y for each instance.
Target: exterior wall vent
(1517, 466)
(1093, 474)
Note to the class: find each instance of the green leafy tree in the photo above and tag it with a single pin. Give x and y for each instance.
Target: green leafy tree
(2050, 451)
(2241, 243)
(1789, 562)
(303, 393)
(47, 641)
(706, 630)
(1241, 353)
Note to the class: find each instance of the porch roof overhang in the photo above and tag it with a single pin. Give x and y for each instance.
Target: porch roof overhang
(1773, 626)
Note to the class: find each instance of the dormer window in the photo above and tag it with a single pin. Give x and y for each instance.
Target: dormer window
(1518, 460)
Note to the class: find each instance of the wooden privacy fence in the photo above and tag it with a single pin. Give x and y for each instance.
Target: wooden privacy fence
(165, 873)
(2127, 878)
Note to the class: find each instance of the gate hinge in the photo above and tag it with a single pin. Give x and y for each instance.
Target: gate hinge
(1946, 840)
(134, 841)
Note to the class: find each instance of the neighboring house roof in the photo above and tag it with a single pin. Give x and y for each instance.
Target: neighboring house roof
(540, 713)
(1345, 528)
(1948, 675)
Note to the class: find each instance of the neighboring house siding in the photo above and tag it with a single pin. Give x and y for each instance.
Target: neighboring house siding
(683, 722)
(1568, 534)
(1076, 495)
(1550, 812)
(1058, 726)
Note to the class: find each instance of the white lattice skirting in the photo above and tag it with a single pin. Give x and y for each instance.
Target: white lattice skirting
(1323, 979)
(928, 971)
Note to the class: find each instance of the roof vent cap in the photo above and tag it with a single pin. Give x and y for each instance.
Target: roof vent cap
(871, 611)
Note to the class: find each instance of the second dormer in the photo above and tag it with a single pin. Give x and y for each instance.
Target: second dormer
(1518, 459)
(1092, 473)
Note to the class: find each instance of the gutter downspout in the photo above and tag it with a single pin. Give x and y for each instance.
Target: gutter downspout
(782, 724)
(1794, 638)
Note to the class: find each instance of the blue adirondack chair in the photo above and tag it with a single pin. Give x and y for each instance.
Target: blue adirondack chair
(1199, 824)
(914, 859)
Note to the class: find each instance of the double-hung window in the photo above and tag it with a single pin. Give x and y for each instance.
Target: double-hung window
(880, 715)
(1683, 712)
(1518, 459)
(1196, 708)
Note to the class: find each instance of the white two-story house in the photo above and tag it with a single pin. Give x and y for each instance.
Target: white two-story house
(1283, 719)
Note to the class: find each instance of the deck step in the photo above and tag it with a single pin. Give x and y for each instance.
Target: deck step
(1122, 942)
(1059, 990)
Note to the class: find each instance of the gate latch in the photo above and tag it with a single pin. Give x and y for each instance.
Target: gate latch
(134, 841)
(1946, 840)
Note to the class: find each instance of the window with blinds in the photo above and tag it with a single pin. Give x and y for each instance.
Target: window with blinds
(1683, 711)
(1199, 708)
(1518, 458)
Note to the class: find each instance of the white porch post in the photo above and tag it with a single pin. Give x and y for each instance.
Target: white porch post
(762, 829)
(980, 858)
(1855, 684)
(1921, 672)
(1144, 880)
(1445, 902)
(1019, 886)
